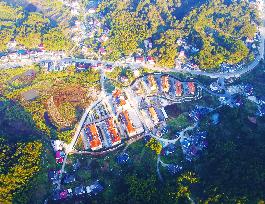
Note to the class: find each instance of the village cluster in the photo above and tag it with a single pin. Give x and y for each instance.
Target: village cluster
(85, 26)
(56, 176)
(137, 111)
(186, 51)
(129, 114)
(17, 53)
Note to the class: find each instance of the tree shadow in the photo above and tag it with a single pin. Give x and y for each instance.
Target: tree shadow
(16, 124)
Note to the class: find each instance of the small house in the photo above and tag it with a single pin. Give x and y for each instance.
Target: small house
(92, 10)
(150, 60)
(139, 59)
(102, 51)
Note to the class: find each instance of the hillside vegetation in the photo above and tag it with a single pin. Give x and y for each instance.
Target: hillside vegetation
(29, 29)
(216, 28)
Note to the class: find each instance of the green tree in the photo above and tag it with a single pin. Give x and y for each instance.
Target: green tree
(55, 40)
(5, 37)
(25, 163)
(28, 38)
(142, 190)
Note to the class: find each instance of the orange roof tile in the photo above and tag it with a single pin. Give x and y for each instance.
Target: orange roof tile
(113, 132)
(191, 87)
(165, 83)
(95, 142)
(179, 88)
(130, 127)
(153, 113)
(151, 80)
(117, 93)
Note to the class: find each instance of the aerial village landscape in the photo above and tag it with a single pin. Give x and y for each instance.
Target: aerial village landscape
(101, 111)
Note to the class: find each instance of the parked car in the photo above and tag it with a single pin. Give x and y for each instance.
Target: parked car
(95, 188)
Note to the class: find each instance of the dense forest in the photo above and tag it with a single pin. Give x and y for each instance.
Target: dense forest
(216, 28)
(20, 149)
(26, 152)
(29, 29)
(230, 170)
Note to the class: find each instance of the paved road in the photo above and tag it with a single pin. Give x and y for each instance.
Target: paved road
(181, 135)
(136, 65)
(80, 125)
(238, 73)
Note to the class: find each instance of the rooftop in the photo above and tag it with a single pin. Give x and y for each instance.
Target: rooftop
(93, 137)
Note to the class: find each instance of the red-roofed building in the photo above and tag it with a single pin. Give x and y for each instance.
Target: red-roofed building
(128, 122)
(150, 60)
(153, 114)
(93, 137)
(139, 59)
(117, 93)
(178, 88)
(115, 138)
(119, 98)
(191, 87)
(165, 83)
(152, 81)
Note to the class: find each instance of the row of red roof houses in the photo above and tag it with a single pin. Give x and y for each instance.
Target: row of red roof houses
(148, 59)
(92, 134)
(165, 83)
(179, 88)
(127, 121)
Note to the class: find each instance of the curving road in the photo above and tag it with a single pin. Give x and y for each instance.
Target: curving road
(80, 125)
(133, 65)
(181, 135)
